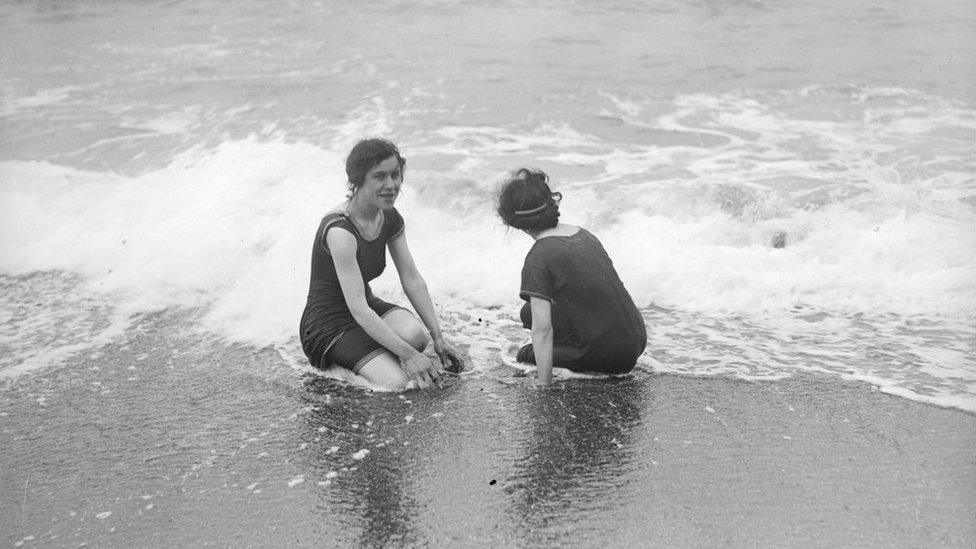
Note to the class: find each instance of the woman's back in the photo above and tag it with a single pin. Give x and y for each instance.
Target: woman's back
(576, 274)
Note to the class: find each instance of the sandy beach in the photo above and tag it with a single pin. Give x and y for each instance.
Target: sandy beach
(786, 189)
(177, 442)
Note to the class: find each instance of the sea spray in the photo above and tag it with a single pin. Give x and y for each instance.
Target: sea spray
(769, 221)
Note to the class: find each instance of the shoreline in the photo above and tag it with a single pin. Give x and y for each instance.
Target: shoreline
(163, 441)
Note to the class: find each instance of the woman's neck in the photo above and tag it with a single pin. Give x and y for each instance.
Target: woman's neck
(361, 210)
(561, 229)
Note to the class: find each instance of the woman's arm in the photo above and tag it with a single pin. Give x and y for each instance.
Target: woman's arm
(342, 245)
(542, 337)
(416, 289)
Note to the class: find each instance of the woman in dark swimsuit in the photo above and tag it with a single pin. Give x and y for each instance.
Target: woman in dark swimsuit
(344, 323)
(580, 314)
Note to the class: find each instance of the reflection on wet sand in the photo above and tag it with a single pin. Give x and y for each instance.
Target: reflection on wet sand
(537, 460)
(387, 511)
(381, 455)
(366, 464)
(579, 446)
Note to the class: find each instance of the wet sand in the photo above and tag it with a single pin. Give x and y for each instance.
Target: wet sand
(169, 440)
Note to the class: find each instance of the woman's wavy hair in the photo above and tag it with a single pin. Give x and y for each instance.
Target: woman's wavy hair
(526, 202)
(367, 154)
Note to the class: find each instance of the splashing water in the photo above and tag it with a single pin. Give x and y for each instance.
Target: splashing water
(767, 227)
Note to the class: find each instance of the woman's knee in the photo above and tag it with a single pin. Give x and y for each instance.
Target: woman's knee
(407, 327)
(384, 370)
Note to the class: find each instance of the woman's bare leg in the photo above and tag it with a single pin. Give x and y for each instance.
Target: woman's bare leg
(384, 370)
(405, 325)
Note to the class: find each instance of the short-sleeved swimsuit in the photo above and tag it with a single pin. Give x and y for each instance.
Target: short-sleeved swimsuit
(596, 326)
(328, 332)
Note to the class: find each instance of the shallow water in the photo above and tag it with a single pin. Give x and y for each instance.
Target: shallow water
(786, 189)
(172, 440)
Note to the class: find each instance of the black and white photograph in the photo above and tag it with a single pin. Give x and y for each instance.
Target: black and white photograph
(452, 273)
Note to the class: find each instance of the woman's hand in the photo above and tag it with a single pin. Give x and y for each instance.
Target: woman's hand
(450, 359)
(423, 370)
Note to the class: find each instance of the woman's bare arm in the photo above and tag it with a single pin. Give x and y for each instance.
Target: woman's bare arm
(542, 337)
(342, 245)
(415, 287)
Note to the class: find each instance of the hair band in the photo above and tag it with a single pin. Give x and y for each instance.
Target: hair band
(532, 211)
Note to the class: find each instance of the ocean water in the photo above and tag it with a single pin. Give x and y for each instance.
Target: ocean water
(787, 190)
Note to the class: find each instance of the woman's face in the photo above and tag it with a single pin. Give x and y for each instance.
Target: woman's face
(381, 186)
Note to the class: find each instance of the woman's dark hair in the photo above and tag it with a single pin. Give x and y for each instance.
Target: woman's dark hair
(527, 203)
(367, 154)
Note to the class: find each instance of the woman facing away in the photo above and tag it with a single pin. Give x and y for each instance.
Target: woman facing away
(580, 314)
(343, 323)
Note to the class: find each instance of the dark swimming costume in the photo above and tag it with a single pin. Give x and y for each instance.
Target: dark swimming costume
(355, 348)
(326, 317)
(596, 326)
